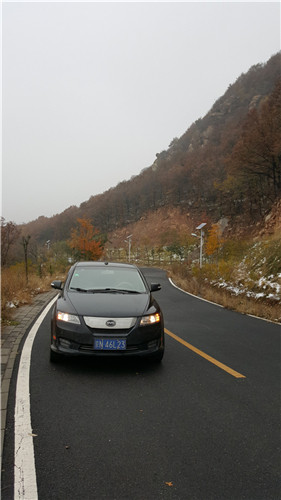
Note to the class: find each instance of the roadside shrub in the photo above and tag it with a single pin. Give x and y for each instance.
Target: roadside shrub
(234, 249)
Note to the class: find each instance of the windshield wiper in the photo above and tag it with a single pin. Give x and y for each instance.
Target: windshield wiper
(110, 290)
(102, 290)
(78, 289)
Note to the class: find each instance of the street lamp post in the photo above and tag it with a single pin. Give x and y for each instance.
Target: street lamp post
(200, 228)
(129, 241)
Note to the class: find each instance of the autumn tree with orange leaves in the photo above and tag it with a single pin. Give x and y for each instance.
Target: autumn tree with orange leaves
(214, 240)
(84, 241)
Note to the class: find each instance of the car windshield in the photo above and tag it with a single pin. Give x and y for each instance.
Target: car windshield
(98, 279)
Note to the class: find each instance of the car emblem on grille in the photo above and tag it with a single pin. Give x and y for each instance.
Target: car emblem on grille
(110, 323)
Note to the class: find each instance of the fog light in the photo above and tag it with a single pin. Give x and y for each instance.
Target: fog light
(151, 344)
(65, 343)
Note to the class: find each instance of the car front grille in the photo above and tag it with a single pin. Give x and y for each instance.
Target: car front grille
(97, 323)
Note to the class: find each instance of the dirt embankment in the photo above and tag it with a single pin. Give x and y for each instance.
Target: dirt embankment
(167, 225)
(160, 227)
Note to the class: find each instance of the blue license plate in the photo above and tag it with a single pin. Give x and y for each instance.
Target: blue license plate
(110, 344)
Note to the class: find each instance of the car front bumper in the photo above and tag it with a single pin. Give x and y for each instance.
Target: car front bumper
(79, 341)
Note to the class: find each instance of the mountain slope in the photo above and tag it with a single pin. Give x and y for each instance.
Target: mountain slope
(192, 179)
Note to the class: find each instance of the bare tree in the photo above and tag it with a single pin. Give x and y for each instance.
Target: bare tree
(9, 235)
(25, 242)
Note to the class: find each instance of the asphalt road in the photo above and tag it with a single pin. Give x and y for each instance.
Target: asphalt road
(184, 429)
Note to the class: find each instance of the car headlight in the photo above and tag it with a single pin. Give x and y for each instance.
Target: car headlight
(150, 320)
(68, 318)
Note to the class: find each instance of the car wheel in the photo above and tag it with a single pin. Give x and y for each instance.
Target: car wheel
(54, 357)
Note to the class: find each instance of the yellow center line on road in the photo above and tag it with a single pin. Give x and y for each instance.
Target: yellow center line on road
(206, 356)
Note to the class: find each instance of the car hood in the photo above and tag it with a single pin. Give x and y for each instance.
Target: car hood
(115, 305)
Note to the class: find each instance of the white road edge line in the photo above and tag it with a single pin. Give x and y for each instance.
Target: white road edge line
(25, 485)
(196, 296)
(219, 305)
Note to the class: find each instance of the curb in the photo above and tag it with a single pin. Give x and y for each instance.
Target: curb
(11, 337)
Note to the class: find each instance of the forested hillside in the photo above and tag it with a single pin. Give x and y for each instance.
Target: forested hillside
(226, 164)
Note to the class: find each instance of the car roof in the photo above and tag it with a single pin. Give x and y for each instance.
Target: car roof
(105, 263)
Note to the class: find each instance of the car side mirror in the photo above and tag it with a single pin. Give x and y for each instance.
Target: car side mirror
(154, 287)
(57, 284)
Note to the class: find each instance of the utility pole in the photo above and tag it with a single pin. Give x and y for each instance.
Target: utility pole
(25, 241)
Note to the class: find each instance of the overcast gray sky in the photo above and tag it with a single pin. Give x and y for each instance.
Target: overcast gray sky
(92, 91)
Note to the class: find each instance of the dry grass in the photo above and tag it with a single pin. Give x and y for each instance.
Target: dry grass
(15, 291)
(261, 308)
